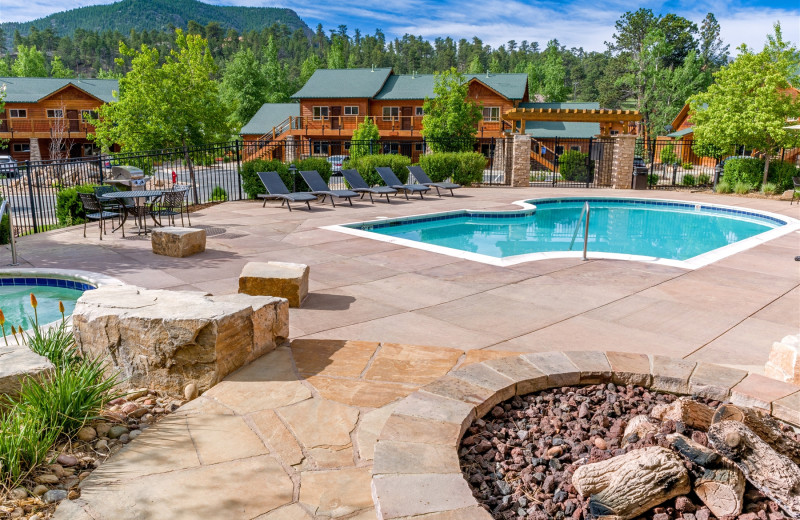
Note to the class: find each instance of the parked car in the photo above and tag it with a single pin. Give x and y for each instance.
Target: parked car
(8, 166)
(638, 161)
(336, 162)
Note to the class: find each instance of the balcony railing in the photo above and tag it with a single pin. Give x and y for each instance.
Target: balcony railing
(10, 128)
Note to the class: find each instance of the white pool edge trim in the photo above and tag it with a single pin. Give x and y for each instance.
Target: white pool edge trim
(695, 262)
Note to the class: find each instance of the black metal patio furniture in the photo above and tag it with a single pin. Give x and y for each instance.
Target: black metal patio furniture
(796, 192)
(418, 173)
(392, 181)
(140, 208)
(276, 189)
(172, 203)
(359, 185)
(95, 211)
(320, 187)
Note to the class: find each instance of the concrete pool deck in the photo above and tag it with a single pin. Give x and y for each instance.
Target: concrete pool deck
(360, 289)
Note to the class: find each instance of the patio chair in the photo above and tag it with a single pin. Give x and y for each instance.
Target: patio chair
(173, 203)
(276, 189)
(359, 185)
(796, 192)
(94, 211)
(418, 173)
(320, 187)
(392, 181)
(110, 205)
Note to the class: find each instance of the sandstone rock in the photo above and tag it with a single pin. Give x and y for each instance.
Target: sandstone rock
(18, 362)
(190, 391)
(166, 339)
(136, 394)
(178, 242)
(87, 434)
(282, 279)
(784, 360)
(787, 195)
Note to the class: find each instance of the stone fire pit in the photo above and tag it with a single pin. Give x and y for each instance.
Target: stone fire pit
(417, 470)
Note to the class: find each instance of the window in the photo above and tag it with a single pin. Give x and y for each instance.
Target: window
(419, 111)
(389, 148)
(351, 111)
(55, 113)
(491, 114)
(418, 147)
(90, 149)
(88, 114)
(559, 150)
(614, 132)
(322, 148)
(391, 113)
(575, 147)
(320, 112)
(22, 147)
(17, 112)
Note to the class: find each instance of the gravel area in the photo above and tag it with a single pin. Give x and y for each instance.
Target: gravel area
(519, 458)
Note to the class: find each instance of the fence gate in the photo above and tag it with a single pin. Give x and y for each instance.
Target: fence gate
(571, 162)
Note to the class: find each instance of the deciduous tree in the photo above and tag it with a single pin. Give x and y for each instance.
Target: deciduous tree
(58, 70)
(29, 63)
(244, 88)
(366, 132)
(451, 118)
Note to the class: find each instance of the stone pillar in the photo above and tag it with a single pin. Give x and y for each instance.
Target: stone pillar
(36, 153)
(784, 360)
(622, 167)
(521, 161)
(290, 146)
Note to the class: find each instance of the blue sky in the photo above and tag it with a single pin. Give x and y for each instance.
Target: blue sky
(575, 23)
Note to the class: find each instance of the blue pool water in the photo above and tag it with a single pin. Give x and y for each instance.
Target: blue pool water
(15, 301)
(669, 230)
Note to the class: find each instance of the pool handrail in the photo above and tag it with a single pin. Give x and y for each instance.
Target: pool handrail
(5, 206)
(578, 225)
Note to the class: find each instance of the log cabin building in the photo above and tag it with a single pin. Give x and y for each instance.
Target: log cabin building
(44, 115)
(333, 102)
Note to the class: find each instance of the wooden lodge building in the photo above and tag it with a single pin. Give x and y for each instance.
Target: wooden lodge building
(44, 112)
(333, 102)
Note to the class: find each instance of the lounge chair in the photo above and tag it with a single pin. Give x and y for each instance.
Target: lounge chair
(796, 192)
(392, 181)
(276, 189)
(320, 187)
(418, 173)
(359, 185)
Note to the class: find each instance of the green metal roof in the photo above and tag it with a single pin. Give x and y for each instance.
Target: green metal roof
(269, 116)
(31, 90)
(565, 104)
(681, 133)
(343, 83)
(547, 129)
(420, 86)
(512, 86)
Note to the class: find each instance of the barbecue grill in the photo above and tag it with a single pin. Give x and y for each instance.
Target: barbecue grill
(126, 178)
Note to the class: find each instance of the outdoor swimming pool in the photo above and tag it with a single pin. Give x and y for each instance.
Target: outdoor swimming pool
(637, 229)
(15, 299)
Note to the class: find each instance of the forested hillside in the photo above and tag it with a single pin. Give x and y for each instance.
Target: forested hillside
(159, 15)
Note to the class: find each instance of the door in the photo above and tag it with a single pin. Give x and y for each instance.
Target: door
(406, 114)
(73, 122)
(336, 117)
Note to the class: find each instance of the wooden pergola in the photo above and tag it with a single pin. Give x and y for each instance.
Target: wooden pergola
(572, 115)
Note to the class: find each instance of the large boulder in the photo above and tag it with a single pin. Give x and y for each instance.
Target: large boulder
(167, 339)
(784, 360)
(18, 362)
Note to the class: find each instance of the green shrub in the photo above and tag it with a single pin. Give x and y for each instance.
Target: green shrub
(251, 184)
(667, 155)
(724, 187)
(463, 167)
(742, 188)
(25, 439)
(687, 166)
(769, 188)
(5, 227)
(749, 170)
(652, 179)
(575, 165)
(703, 179)
(781, 173)
(688, 180)
(311, 163)
(69, 210)
(218, 194)
(366, 166)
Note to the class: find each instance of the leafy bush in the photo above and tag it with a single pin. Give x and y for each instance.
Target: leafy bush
(742, 188)
(748, 170)
(652, 179)
(724, 187)
(703, 179)
(5, 227)
(688, 180)
(366, 131)
(667, 155)
(366, 166)
(781, 173)
(311, 163)
(218, 194)
(687, 166)
(251, 184)
(69, 210)
(575, 165)
(769, 188)
(463, 167)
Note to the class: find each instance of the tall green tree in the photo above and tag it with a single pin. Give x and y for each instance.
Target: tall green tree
(336, 53)
(712, 50)
(58, 70)
(366, 132)
(552, 84)
(749, 103)
(310, 65)
(278, 86)
(244, 88)
(451, 118)
(29, 63)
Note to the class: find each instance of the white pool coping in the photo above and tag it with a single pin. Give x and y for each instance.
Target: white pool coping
(792, 225)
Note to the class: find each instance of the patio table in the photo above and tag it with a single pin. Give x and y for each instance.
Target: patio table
(139, 209)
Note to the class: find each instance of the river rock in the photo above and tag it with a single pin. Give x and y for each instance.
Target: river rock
(102, 428)
(54, 495)
(87, 434)
(39, 490)
(18, 494)
(101, 445)
(167, 339)
(134, 434)
(117, 431)
(190, 391)
(47, 478)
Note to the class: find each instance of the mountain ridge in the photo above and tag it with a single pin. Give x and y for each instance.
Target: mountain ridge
(138, 15)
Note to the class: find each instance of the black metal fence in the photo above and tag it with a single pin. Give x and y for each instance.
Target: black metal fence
(211, 171)
(673, 163)
(571, 162)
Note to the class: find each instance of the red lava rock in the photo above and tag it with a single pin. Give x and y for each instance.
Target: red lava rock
(684, 504)
(700, 437)
(498, 411)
